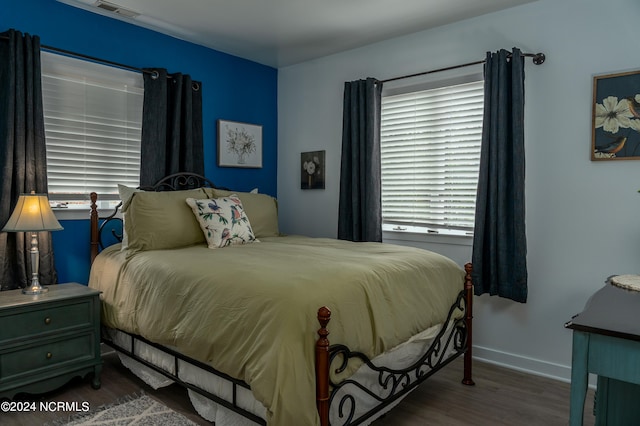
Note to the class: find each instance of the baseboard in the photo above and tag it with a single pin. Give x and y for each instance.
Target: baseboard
(526, 365)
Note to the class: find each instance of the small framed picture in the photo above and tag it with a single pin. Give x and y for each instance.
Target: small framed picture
(239, 144)
(616, 117)
(312, 166)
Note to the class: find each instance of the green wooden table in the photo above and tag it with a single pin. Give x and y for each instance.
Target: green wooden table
(606, 342)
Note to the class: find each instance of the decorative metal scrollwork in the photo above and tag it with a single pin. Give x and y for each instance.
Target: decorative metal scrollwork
(108, 220)
(393, 383)
(180, 181)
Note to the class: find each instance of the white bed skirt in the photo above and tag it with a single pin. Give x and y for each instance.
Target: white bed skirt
(401, 356)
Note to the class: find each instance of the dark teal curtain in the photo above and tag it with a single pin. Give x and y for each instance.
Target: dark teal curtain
(172, 139)
(360, 203)
(500, 245)
(23, 156)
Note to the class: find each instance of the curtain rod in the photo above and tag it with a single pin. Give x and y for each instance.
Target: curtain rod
(154, 73)
(93, 59)
(538, 58)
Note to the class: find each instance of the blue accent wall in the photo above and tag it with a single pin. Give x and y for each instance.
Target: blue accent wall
(233, 89)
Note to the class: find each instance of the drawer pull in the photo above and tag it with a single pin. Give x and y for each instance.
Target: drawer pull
(47, 320)
(49, 355)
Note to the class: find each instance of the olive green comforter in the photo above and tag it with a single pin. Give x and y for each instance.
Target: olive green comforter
(250, 310)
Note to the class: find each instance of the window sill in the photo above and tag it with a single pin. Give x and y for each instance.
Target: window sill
(422, 235)
(82, 211)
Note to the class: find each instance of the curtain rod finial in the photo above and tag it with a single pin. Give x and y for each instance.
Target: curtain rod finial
(539, 58)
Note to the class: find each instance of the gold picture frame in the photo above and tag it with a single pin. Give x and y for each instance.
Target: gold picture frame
(616, 117)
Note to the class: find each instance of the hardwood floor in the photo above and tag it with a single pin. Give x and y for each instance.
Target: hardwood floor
(500, 397)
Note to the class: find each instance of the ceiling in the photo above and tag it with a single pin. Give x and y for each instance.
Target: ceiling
(279, 33)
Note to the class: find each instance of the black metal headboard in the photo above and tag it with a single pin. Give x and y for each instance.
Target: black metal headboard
(179, 182)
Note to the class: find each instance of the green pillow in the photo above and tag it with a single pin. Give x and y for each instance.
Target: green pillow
(162, 220)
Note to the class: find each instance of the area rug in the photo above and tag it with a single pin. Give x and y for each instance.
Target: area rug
(136, 410)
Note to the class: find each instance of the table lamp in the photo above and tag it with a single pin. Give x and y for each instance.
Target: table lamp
(33, 214)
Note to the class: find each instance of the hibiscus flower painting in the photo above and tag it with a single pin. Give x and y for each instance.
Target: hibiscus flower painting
(616, 117)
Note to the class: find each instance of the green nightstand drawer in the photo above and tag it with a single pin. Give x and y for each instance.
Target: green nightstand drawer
(51, 318)
(49, 355)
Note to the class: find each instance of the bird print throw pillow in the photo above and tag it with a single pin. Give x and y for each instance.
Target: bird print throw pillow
(223, 221)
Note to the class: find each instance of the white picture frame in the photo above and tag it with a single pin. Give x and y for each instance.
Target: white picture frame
(239, 144)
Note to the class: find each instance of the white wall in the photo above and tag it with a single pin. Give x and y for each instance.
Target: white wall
(583, 217)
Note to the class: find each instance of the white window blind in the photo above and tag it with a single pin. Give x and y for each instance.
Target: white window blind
(93, 127)
(430, 151)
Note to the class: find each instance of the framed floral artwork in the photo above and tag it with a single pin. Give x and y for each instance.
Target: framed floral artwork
(616, 117)
(239, 144)
(312, 165)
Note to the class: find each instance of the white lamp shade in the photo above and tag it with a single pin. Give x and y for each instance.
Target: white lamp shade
(32, 213)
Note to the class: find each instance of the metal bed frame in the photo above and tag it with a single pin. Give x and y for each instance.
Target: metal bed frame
(396, 383)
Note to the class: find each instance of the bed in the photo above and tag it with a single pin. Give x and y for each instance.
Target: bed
(244, 324)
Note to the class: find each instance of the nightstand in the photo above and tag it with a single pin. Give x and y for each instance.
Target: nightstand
(47, 339)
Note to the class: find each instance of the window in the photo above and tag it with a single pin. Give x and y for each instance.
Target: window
(93, 127)
(430, 151)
